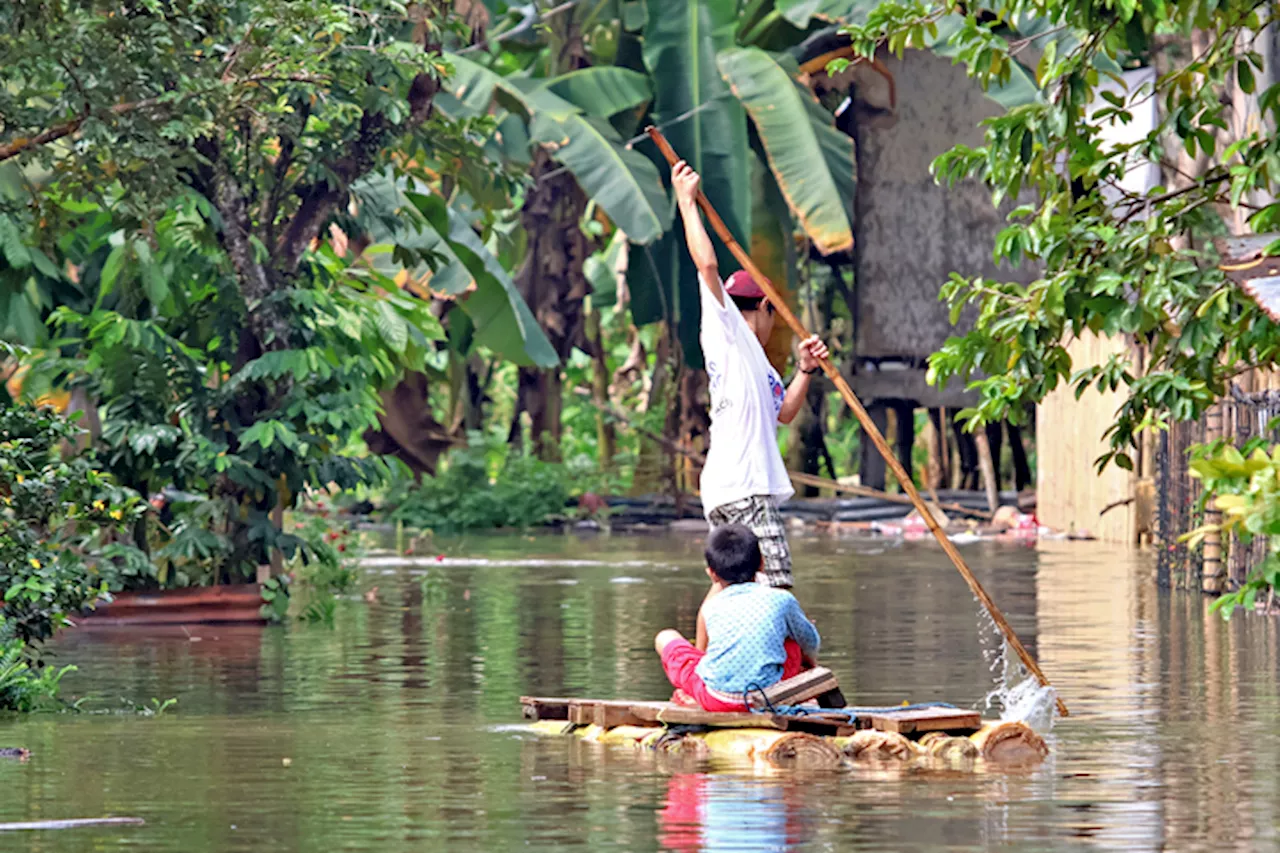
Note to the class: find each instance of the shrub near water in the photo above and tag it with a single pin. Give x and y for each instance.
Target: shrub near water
(523, 491)
(56, 517)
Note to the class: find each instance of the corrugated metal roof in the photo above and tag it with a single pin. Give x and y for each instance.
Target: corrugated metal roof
(1245, 262)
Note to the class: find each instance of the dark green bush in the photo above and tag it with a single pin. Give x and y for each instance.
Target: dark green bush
(483, 486)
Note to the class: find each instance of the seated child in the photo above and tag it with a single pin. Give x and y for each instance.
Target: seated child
(757, 635)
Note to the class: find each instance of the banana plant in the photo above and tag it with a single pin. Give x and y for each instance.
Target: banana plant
(568, 114)
(723, 99)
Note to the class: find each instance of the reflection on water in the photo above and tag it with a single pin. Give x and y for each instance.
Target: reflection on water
(393, 731)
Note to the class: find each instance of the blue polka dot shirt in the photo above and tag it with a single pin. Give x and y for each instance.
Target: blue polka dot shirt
(747, 624)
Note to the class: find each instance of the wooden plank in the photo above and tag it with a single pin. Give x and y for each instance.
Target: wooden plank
(792, 691)
(823, 728)
(603, 712)
(673, 714)
(927, 720)
(1070, 493)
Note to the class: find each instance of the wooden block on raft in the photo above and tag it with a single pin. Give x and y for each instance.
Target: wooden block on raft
(927, 720)
(809, 684)
(545, 708)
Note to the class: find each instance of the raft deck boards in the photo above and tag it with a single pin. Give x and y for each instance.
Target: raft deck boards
(923, 720)
(609, 713)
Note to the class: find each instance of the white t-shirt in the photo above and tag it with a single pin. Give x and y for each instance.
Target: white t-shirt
(746, 397)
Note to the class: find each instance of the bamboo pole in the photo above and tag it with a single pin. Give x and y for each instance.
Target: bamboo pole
(865, 420)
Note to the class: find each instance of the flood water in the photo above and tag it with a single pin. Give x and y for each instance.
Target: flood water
(396, 729)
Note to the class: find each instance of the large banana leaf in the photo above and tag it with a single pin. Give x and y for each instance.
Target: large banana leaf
(798, 143)
(498, 312)
(708, 128)
(773, 249)
(624, 184)
(800, 12)
(602, 91)
(502, 320)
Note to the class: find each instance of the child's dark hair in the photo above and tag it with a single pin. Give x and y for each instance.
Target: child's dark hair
(749, 303)
(733, 553)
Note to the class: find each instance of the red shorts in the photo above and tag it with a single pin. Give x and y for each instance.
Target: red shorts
(680, 660)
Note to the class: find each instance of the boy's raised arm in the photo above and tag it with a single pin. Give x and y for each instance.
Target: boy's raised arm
(685, 181)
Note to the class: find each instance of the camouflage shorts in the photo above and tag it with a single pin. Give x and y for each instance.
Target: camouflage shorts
(760, 513)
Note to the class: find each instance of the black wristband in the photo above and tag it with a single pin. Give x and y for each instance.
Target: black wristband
(817, 369)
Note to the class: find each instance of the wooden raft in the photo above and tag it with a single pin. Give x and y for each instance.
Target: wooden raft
(915, 739)
(611, 713)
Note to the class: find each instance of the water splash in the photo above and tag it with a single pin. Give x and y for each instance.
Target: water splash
(1017, 694)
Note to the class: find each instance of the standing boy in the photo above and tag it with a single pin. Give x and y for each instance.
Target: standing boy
(743, 479)
(755, 635)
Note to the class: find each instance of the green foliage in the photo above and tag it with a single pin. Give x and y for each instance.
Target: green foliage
(1114, 261)
(185, 414)
(568, 114)
(58, 515)
(24, 686)
(202, 261)
(1244, 484)
(482, 486)
(327, 566)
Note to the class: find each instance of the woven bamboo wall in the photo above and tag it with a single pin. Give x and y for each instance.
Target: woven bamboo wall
(1069, 492)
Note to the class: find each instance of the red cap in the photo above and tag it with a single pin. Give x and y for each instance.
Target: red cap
(741, 284)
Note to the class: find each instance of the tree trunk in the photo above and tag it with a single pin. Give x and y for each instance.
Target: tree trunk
(554, 285)
(409, 431)
(694, 424)
(807, 448)
(606, 438)
(655, 467)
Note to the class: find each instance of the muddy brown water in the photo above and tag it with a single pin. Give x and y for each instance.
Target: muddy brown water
(397, 728)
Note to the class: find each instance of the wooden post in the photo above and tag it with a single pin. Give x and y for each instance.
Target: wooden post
(277, 521)
(988, 469)
(870, 428)
(1212, 577)
(943, 425)
(932, 437)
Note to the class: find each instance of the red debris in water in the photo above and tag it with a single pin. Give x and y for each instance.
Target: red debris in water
(592, 503)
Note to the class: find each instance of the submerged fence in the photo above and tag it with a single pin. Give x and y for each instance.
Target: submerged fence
(1244, 416)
